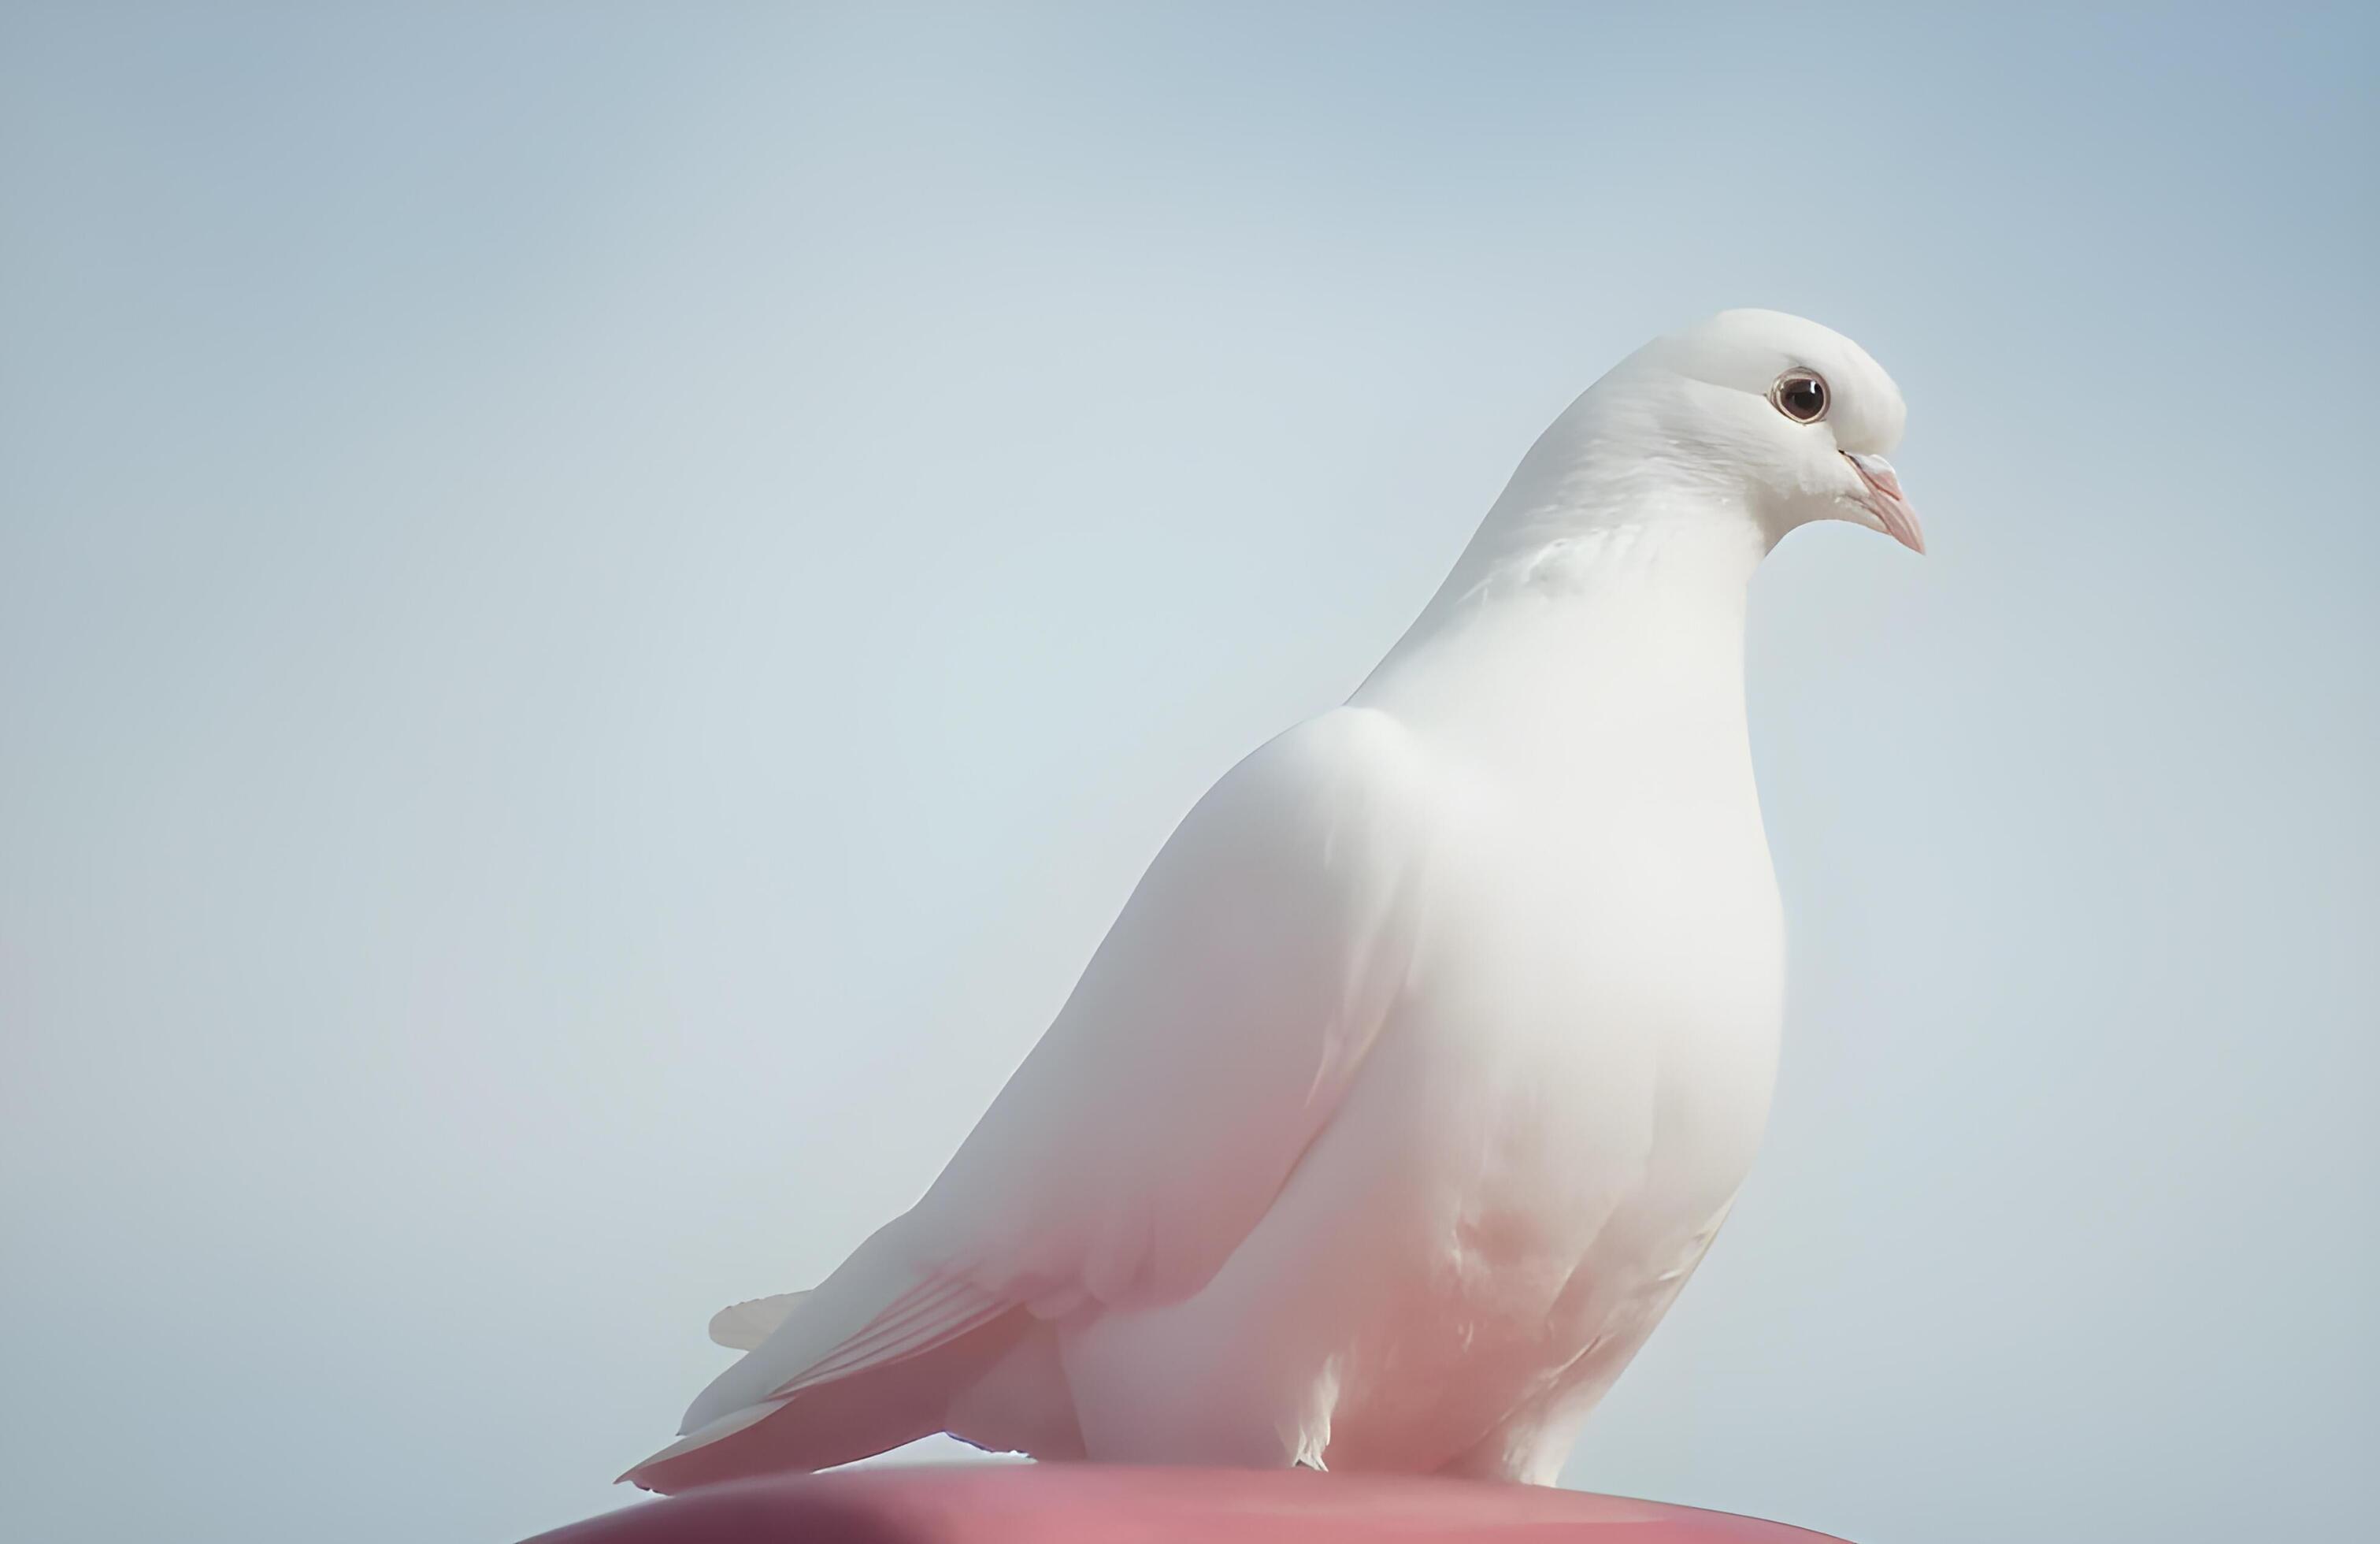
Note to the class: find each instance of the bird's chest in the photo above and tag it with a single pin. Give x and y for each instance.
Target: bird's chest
(1596, 1022)
(1576, 1093)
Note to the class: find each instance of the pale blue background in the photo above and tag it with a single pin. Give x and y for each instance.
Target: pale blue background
(598, 605)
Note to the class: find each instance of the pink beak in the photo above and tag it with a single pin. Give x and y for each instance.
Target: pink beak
(1887, 502)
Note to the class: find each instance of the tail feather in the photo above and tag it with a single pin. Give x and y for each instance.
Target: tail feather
(743, 1326)
(877, 1407)
(883, 1305)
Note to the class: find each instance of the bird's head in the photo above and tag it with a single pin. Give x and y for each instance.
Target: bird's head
(1793, 419)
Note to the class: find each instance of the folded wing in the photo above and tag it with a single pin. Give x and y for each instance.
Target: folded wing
(1209, 1041)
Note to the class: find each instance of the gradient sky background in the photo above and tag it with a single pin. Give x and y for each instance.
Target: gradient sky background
(598, 605)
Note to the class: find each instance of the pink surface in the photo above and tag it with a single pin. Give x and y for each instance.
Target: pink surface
(1087, 1504)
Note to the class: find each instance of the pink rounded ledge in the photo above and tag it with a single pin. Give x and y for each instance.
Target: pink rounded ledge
(1000, 1504)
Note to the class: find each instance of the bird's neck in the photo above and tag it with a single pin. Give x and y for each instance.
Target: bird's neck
(1583, 634)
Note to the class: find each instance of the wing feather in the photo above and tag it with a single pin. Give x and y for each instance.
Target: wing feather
(1208, 1043)
(1212, 1035)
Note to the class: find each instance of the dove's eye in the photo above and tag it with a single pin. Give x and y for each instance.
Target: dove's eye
(1800, 394)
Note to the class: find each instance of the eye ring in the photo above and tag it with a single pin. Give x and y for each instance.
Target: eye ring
(1802, 395)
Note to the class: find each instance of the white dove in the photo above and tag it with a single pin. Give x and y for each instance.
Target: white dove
(1417, 1076)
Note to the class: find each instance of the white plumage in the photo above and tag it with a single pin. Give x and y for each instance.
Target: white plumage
(1425, 1062)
